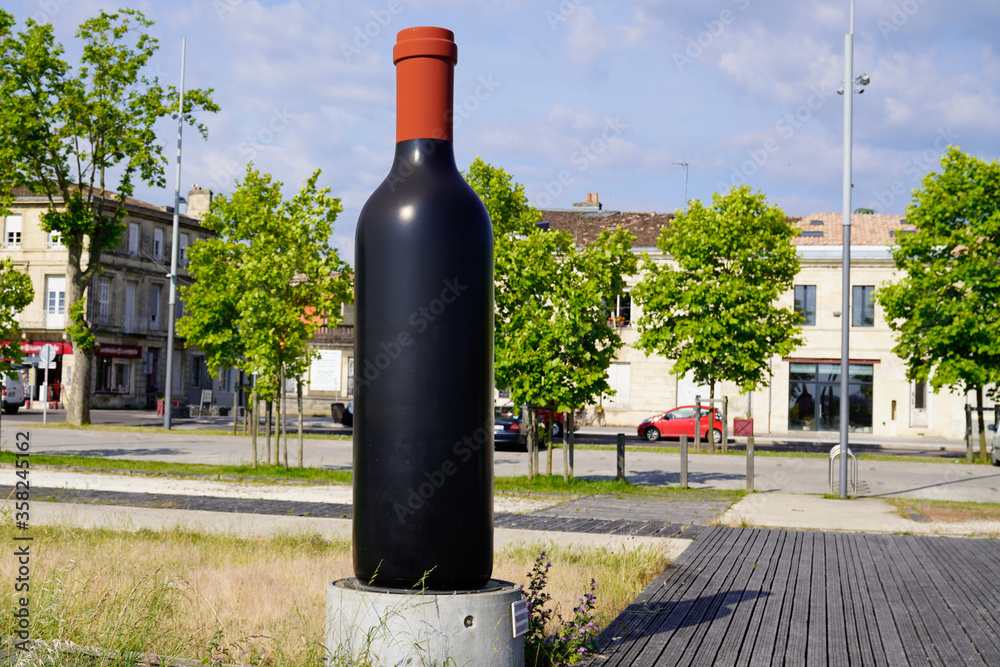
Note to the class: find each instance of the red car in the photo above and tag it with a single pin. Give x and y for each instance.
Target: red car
(680, 421)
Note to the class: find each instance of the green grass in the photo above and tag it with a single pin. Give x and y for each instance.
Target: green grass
(588, 487)
(949, 509)
(676, 449)
(262, 472)
(120, 428)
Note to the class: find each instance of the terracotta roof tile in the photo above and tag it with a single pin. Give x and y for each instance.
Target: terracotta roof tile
(866, 230)
(109, 195)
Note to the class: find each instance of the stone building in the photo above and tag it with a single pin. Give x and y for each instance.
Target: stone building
(804, 393)
(127, 302)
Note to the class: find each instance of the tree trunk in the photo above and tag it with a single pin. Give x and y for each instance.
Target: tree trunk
(983, 458)
(78, 390)
(298, 395)
(549, 439)
(267, 429)
(236, 404)
(532, 443)
(711, 418)
(283, 428)
(253, 428)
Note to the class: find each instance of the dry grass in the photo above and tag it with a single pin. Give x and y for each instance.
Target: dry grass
(241, 600)
(949, 511)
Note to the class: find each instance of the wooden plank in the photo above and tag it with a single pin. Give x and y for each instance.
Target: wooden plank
(761, 651)
(972, 640)
(696, 582)
(748, 611)
(669, 530)
(627, 636)
(876, 629)
(853, 608)
(925, 597)
(838, 599)
(712, 607)
(982, 594)
(720, 614)
(797, 619)
(909, 626)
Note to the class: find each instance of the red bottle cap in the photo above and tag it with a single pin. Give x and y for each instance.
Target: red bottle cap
(425, 59)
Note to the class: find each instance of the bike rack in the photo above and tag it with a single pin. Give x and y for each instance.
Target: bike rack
(852, 473)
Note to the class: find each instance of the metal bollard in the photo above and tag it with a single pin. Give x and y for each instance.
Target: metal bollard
(684, 462)
(621, 457)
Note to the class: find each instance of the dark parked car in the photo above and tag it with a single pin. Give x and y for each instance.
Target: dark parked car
(507, 429)
(680, 421)
(347, 419)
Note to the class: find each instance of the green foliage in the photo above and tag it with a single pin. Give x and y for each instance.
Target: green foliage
(946, 308)
(82, 138)
(16, 293)
(575, 637)
(553, 344)
(79, 332)
(266, 280)
(505, 201)
(711, 307)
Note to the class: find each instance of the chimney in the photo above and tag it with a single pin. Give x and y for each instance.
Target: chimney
(198, 202)
(597, 202)
(589, 200)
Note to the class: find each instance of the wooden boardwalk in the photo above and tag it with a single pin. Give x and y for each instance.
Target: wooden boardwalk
(779, 597)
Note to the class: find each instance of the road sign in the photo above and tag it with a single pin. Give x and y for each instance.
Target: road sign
(47, 354)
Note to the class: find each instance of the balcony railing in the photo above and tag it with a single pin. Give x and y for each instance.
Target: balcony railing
(41, 319)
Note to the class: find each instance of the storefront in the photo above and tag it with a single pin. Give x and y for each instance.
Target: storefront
(814, 395)
(113, 369)
(34, 376)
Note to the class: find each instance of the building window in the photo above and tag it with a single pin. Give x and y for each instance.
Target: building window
(863, 306)
(919, 395)
(133, 238)
(55, 301)
(350, 376)
(103, 300)
(183, 244)
(199, 374)
(154, 307)
(619, 310)
(805, 303)
(55, 240)
(814, 397)
(12, 231)
(113, 375)
(157, 243)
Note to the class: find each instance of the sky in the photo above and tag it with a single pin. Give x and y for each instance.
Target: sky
(580, 96)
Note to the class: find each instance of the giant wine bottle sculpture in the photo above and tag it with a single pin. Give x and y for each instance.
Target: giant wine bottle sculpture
(423, 426)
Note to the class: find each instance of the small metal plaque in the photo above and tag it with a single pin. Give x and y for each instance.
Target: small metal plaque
(519, 614)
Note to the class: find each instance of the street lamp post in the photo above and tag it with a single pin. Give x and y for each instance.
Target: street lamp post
(168, 383)
(685, 165)
(845, 325)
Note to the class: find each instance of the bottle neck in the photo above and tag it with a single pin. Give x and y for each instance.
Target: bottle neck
(428, 155)
(424, 98)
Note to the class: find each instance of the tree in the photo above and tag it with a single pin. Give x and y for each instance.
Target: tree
(260, 282)
(553, 343)
(946, 308)
(81, 138)
(711, 307)
(16, 293)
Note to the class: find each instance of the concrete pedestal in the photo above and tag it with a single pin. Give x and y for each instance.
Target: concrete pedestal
(399, 627)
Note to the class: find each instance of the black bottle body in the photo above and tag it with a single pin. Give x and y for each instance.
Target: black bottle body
(423, 426)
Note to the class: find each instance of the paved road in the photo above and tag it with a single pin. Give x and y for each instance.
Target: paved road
(592, 435)
(949, 481)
